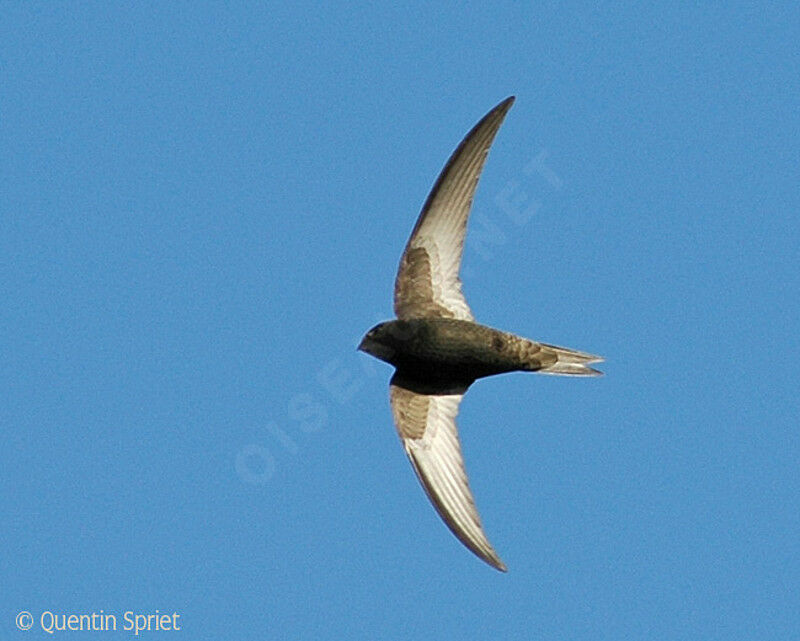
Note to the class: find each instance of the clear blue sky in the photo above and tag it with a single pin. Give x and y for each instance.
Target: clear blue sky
(201, 211)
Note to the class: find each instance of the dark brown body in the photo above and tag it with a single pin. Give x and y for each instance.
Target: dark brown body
(445, 350)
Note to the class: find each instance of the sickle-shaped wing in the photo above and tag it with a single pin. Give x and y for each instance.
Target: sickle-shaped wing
(427, 426)
(427, 283)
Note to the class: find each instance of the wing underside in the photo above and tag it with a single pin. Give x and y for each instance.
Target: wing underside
(427, 283)
(426, 425)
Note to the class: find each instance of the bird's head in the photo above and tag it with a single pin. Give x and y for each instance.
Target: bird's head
(388, 341)
(380, 342)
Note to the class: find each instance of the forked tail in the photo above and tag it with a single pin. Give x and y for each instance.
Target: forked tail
(569, 362)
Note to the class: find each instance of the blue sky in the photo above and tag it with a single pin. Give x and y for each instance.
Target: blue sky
(202, 210)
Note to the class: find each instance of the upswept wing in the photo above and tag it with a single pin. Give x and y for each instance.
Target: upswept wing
(427, 283)
(427, 426)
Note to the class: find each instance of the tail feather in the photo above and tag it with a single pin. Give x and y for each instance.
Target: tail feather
(570, 362)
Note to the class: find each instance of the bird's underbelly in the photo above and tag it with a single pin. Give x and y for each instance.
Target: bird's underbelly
(451, 367)
(458, 355)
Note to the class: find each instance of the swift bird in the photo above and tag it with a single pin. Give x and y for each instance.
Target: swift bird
(438, 349)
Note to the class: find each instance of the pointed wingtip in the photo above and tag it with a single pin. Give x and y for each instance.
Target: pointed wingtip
(491, 558)
(500, 108)
(505, 105)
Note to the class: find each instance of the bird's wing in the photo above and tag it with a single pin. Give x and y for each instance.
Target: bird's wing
(427, 283)
(427, 426)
